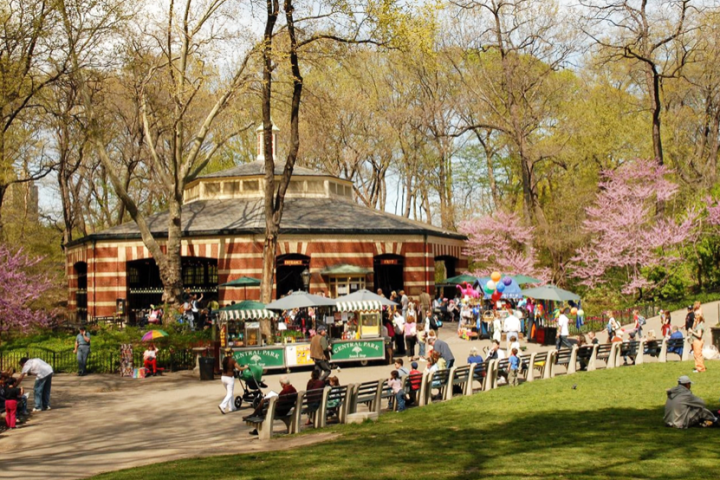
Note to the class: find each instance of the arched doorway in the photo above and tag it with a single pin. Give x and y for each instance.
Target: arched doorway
(445, 267)
(388, 273)
(81, 292)
(288, 273)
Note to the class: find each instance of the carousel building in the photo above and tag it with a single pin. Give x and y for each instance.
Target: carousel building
(325, 232)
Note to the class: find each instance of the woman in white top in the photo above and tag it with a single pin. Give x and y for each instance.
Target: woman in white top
(613, 326)
(497, 327)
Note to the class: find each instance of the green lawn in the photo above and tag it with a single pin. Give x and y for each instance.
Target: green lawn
(609, 426)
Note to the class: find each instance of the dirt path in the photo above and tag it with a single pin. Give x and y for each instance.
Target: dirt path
(101, 423)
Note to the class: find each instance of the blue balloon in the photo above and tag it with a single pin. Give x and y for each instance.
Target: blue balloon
(500, 287)
(507, 281)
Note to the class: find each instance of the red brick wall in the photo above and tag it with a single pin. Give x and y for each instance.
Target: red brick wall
(107, 276)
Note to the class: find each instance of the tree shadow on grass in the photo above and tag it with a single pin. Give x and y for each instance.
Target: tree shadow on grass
(610, 443)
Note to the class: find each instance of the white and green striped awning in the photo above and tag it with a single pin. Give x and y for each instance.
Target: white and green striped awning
(245, 314)
(358, 306)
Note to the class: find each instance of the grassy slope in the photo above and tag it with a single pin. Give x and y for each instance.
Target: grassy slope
(610, 426)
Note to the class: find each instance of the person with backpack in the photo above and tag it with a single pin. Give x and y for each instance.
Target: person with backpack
(639, 323)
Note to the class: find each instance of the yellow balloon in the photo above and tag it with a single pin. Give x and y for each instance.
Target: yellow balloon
(574, 311)
(495, 276)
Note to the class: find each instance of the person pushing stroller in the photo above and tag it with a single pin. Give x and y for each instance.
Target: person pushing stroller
(229, 365)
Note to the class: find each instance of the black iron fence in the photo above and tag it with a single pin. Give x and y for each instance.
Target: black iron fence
(598, 323)
(104, 361)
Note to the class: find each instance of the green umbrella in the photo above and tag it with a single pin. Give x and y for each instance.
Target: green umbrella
(244, 305)
(460, 279)
(524, 279)
(242, 282)
(550, 292)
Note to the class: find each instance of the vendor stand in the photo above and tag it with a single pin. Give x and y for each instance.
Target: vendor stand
(241, 329)
(361, 340)
(546, 333)
(360, 315)
(296, 351)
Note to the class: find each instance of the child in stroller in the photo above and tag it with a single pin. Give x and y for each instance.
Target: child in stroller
(251, 383)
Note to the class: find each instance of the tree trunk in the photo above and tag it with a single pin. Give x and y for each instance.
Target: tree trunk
(271, 228)
(653, 80)
(485, 142)
(170, 264)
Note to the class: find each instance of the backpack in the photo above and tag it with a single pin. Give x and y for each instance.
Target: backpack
(641, 321)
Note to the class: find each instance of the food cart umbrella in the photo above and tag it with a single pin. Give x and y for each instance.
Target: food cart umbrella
(511, 291)
(300, 300)
(524, 279)
(245, 310)
(153, 335)
(459, 280)
(550, 292)
(242, 282)
(363, 300)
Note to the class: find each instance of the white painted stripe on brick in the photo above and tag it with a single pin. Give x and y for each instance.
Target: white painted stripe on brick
(240, 270)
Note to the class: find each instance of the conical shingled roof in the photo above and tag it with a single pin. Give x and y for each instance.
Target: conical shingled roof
(256, 168)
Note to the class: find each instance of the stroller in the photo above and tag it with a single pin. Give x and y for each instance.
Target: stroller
(251, 383)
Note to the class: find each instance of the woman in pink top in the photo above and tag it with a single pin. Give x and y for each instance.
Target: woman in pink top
(410, 331)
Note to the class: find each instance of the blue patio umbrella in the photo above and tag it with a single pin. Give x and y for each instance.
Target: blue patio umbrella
(512, 291)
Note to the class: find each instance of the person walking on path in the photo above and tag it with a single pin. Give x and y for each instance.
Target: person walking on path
(410, 337)
(511, 326)
(405, 302)
(229, 365)
(82, 349)
(43, 381)
(399, 328)
(319, 352)
(696, 333)
(563, 322)
(613, 327)
(689, 319)
(424, 304)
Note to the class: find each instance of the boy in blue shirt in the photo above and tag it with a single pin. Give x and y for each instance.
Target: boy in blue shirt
(514, 368)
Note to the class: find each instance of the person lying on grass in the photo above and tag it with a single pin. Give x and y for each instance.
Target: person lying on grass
(685, 410)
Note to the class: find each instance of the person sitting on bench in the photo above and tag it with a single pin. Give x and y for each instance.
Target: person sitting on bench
(285, 402)
(150, 359)
(675, 335)
(684, 410)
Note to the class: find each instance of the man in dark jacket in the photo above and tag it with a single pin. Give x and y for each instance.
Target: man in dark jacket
(684, 410)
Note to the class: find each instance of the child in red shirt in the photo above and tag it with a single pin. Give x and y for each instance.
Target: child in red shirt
(415, 382)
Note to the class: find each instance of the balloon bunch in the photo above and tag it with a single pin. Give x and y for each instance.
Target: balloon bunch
(496, 286)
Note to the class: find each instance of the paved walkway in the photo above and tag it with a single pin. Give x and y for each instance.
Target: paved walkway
(101, 423)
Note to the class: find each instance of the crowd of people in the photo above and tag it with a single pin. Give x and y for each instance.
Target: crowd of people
(694, 327)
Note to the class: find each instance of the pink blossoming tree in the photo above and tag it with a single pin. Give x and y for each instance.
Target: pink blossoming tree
(19, 289)
(624, 236)
(500, 242)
